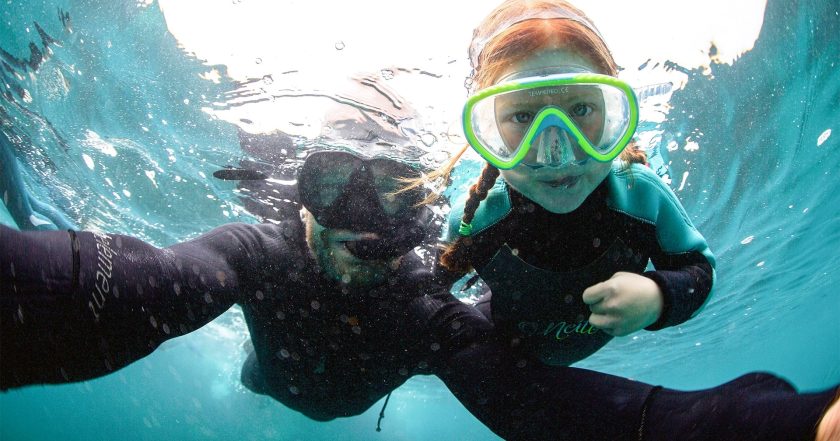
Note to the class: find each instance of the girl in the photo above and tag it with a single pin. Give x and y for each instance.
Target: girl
(552, 207)
(564, 219)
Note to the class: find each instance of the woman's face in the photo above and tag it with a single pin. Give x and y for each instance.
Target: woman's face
(329, 247)
(562, 189)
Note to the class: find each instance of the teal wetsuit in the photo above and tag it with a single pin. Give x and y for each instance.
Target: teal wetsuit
(537, 264)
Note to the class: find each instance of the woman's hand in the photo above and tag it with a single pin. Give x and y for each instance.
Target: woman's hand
(624, 304)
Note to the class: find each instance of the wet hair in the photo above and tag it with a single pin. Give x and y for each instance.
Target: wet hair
(510, 46)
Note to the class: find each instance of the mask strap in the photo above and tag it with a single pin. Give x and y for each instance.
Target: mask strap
(479, 43)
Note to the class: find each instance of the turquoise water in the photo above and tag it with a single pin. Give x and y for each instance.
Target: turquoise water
(106, 119)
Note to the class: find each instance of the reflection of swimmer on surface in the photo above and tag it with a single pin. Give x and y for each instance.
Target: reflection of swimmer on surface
(365, 115)
(18, 208)
(341, 311)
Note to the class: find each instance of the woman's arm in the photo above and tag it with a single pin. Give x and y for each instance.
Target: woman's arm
(78, 305)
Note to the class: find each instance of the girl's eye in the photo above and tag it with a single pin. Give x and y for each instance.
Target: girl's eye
(581, 110)
(522, 117)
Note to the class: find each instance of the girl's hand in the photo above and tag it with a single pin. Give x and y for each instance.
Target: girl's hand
(624, 304)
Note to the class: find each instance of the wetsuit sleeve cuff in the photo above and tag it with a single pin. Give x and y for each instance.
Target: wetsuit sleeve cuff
(666, 301)
(681, 297)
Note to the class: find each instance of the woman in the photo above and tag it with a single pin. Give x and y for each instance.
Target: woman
(340, 312)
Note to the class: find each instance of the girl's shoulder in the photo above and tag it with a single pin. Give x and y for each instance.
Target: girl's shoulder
(492, 209)
(637, 191)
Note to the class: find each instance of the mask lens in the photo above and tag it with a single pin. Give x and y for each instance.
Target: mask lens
(591, 116)
(389, 181)
(323, 178)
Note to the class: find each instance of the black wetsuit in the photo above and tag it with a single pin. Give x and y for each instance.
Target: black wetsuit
(537, 264)
(321, 348)
(76, 306)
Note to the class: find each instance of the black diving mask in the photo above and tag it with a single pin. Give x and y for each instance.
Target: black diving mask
(345, 191)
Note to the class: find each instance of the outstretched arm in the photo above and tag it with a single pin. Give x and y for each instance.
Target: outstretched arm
(78, 305)
(523, 399)
(520, 398)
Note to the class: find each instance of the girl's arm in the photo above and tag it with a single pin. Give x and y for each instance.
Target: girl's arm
(684, 264)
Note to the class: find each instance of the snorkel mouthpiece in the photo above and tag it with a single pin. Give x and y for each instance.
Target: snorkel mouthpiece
(396, 240)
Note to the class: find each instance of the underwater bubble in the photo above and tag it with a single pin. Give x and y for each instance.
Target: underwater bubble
(428, 139)
(823, 137)
(339, 45)
(88, 161)
(691, 146)
(684, 179)
(151, 175)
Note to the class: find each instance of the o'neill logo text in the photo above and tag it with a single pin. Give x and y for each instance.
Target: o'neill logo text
(558, 330)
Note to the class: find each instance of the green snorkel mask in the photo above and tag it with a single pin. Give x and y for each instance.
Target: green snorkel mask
(551, 118)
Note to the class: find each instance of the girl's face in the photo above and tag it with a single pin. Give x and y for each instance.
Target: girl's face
(562, 189)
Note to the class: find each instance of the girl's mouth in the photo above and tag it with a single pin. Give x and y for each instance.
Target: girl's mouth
(566, 182)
